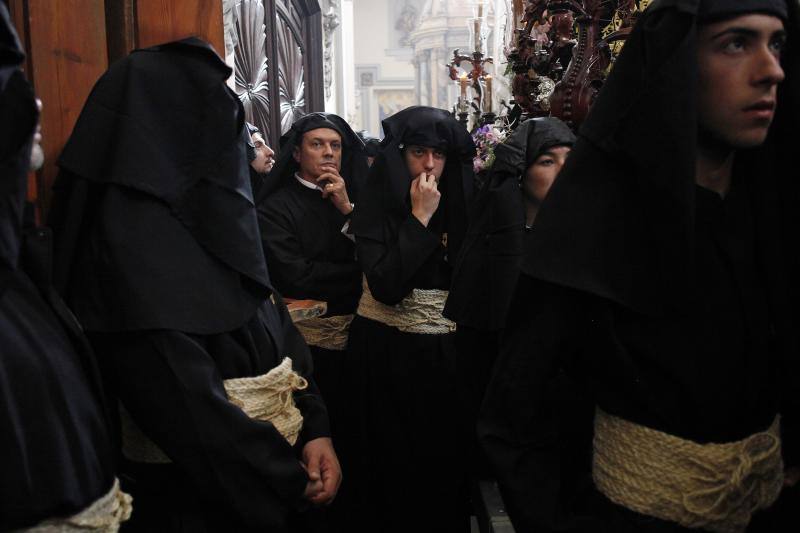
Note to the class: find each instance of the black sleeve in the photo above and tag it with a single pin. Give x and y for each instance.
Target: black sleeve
(309, 401)
(519, 426)
(173, 391)
(296, 274)
(390, 267)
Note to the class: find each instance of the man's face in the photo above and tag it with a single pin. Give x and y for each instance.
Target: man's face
(739, 72)
(264, 155)
(421, 159)
(542, 173)
(320, 151)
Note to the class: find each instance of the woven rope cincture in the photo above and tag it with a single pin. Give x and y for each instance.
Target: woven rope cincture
(103, 516)
(329, 332)
(271, 398)
(716, 487)
(419, 312)
(268, 398)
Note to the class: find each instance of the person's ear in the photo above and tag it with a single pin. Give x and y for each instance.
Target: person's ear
(296, 153)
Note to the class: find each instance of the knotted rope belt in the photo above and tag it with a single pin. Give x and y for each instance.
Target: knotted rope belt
(716, 487)
(326, 332)
(103, 516)
(419, 312)
(268, 397)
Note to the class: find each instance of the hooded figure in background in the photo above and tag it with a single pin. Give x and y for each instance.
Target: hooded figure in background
(488, 266)
(58, 469)
(260, 156)
(304, 212)
(160, 257)
(409, 223)
(661, 276)
(372, 146)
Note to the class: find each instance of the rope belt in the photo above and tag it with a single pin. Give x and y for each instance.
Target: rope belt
(326, 332)
(419, 312)
(103, 516)
(715, 487)
(269, 398)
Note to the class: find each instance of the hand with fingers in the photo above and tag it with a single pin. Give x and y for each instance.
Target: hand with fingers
(425, 197)
(324, 472)
(333, 188)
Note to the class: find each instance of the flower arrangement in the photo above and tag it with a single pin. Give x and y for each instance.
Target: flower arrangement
(486, 138)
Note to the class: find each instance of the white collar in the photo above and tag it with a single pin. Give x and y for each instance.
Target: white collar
(304, 183)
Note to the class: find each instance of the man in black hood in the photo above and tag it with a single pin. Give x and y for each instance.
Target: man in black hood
(661, 276)
(488, 266)
(159, 255)
(409, 223)
(260, 156)
(304, 213)
(58, 461)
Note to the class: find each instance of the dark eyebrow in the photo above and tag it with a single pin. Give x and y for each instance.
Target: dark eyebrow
(747, 32)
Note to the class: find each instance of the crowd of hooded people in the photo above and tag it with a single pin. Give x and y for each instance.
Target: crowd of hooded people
(607, 326)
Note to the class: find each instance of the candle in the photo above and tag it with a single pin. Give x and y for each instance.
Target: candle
(487, 100)
(463, 80)
(518, 10)
(478, 39)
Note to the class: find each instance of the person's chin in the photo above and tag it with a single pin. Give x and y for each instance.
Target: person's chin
(752, 137)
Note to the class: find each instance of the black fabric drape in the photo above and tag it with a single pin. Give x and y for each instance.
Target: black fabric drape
(669, 306)
(488, 265)
(57, 454)
(190, 171)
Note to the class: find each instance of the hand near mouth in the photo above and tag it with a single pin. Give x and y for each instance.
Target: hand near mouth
(334, 188)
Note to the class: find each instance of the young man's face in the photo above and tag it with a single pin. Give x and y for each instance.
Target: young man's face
(421, 159)
(320, 151)
(542, 173)
(739, 72)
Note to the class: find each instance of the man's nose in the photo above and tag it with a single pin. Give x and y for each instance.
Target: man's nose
(429, 162)
(327, 150)
(768, 68)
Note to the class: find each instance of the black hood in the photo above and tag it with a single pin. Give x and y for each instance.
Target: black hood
(619, 222)
(488, 266)
(386, 195)
(18, 109)
(160, 139)
(354, 163)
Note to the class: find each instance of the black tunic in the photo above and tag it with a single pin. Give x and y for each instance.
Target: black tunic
(407, 437)
(709, 377)
(160, 256)
(230, 472)
(56, 453)
(310, 258)
(405, 383)
(308, 255)
(54, 439)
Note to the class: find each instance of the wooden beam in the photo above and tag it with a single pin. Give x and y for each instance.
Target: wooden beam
(67, 55)
(160, 21)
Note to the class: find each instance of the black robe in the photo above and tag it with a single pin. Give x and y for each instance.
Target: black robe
(230, 472)
(408, 428)
(711, 376)
(310, 258)
(404, 384)
(308, 255)
(54, 437)
(160, 256)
